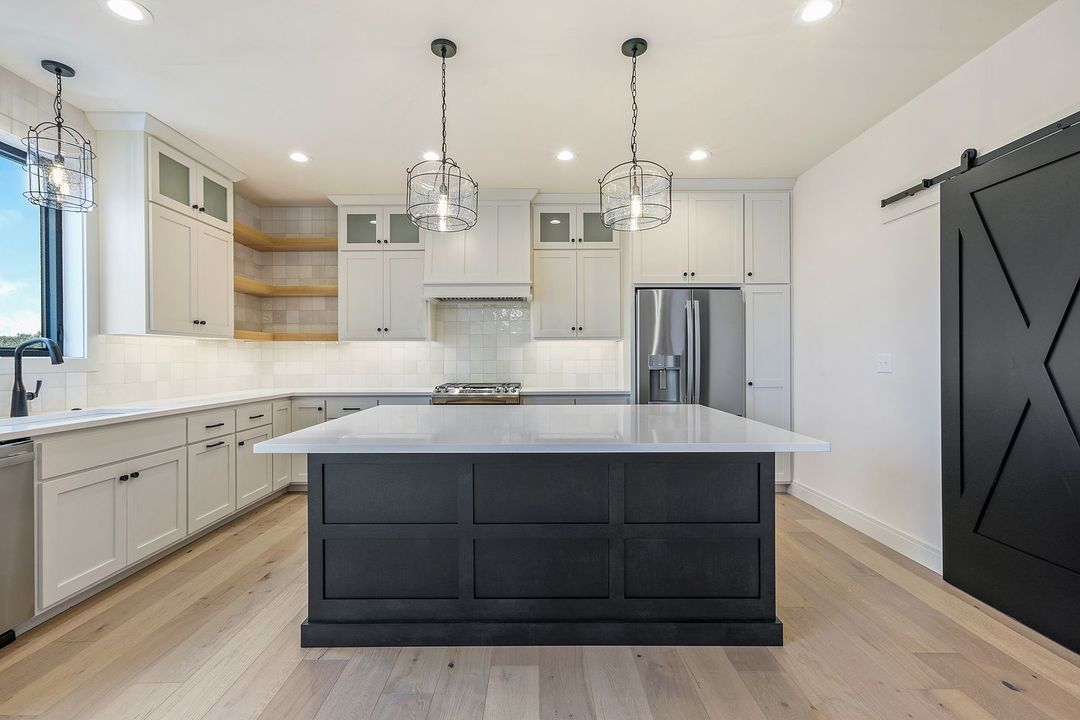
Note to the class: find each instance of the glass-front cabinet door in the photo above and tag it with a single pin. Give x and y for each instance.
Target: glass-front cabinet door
(554, 227)
(591, 232)
(399, 231)
(360, 228)
(172, 178)
(215, 198)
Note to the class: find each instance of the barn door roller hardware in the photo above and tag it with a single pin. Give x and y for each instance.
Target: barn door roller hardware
(971, 158)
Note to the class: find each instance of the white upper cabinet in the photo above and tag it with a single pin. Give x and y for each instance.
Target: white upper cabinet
(662, 255)
(182, 184)
(360, 301)
(557, 227)
(377, 227)
(214, 282)
(716, 238)
(381, 296)
(768, 237)
(405, 309)
(576, 294)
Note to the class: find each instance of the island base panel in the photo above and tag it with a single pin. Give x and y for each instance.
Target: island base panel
(541, 549)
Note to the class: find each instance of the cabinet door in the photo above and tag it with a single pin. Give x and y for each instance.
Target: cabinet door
(82, 532)
(399, 233)
(599, 295)
(554, 305)
(591, 233)
(282, 425)
(768, 237)
(173, 241)
(305, 413)
(360, 287)
(215, 198)
(768, 361)
(253, 472)
(360, 228)
(480, 258)
(716, 237)
(214, 282)
(155, 503)
(553, 227)
(211, 481)
(405, 310)
(172, 178)
(661, 255)
(513, 249)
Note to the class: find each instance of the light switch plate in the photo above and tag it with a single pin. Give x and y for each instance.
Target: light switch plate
(884, 362)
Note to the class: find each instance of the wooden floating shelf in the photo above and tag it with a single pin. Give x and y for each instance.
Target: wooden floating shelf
(258, 288)
(284, 337)
(258, 240)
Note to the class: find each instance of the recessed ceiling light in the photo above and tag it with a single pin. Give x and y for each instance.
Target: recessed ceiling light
(298, 157)
(565, 155)
(814, 11)
(699, 154)
(431, 155)
(129, 10)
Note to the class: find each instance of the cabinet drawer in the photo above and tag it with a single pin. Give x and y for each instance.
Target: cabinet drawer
(541, 568)
(342, 406)
(542, 493)
(693, 568)
(211, 424)
(70, 452)
(692, 493)
(253, 416)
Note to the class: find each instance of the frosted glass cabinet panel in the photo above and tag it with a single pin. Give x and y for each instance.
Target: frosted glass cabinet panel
(554, 228)
(593, 233)
(172, 178)
(361, 229)
(400, 230)
(557, 227)
(215, 199)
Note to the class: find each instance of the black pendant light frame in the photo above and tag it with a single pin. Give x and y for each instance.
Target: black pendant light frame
(59, 159)
(635, 195)
(439, 195)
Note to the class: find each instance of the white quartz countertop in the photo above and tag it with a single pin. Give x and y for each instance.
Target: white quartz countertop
(48, 423)
(541, 429)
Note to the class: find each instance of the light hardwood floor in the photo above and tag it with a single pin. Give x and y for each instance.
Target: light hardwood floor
(211, 632)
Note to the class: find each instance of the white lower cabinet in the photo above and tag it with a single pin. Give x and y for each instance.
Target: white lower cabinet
(83, 530)
(155, 500)
(282, 425)
(253, 472)
(305, 413)
(211, 481)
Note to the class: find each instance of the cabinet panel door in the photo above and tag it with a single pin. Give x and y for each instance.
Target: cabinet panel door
(716, 237)
(215, 198)
(599, 295)
(768, 237)
(172, 178)
(173, 242)
(82, 532)
(156, 503)
(282, 464)
(360, 308)
(554, 305)
(553, 227)
(399, 232)
(360, 227)
(405, 311)
(444, 256)
(591, 232)
(211, 481)
(768, 362)
(661, 255)
(481, 249)
(305, 413)
(253, 480)
(214, 282)
(513, 249)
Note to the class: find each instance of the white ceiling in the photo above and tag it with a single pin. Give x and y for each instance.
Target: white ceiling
(353, 83)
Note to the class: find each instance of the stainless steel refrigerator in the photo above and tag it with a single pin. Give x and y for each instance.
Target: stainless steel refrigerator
(691, 347)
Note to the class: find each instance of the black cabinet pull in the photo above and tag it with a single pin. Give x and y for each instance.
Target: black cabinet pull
(693, 274)
(319, 409)
(195, 322)
(750, 383)
(195, 206)
(580, 329)
(122, 478)
(214, 445)
(241, 443)
(684, 274)
(749, 274)
(134, 474)
(202, 322)
(348, 408)
(202, 209)
(211, 427)
(255, 417)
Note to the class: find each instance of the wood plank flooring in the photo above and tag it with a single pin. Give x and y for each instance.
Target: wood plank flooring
(211, 632)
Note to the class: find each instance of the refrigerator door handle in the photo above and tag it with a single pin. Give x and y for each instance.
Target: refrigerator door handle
(697, 351)
(691, 349)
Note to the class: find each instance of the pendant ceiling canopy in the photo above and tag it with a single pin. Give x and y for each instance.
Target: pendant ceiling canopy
(440, 195)
(59, 160)
(635, 195)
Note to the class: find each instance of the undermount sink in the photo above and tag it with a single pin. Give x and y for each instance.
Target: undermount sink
(70, 414)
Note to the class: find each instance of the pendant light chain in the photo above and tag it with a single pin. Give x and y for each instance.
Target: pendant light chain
(633, 98)
(444, 105)
(58, 103)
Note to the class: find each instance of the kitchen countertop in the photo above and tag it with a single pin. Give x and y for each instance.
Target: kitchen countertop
(48, 423)
(541, 429)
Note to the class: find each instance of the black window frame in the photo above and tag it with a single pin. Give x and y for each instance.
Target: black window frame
(52, 268)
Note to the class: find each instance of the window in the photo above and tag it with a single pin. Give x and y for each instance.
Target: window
(31, 286)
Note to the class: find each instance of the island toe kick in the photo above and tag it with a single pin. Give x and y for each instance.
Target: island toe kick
(541, 549)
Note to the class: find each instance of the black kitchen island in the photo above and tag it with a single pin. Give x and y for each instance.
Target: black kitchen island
(541, 525)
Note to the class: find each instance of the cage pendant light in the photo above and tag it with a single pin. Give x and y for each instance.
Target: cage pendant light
(59, 160)
(635, 195)
(440, 196)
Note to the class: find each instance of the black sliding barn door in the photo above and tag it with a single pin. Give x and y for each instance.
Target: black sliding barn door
(1010, 271)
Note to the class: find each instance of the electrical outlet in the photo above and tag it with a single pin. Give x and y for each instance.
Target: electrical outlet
(884, 362)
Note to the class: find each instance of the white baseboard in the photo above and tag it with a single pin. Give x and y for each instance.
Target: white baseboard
(900, 541)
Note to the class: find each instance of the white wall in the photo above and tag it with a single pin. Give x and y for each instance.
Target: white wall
(864, 286)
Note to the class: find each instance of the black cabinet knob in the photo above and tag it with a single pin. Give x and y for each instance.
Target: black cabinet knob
(202, 322)
(134, 474)
(749, 274)
(202, 209)
(241, 443)
(685, 274)
(693, 274)
(122, 478)
(195, 206)
(750, 383)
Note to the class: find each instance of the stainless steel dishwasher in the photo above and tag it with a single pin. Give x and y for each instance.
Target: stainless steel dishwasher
(16, 536)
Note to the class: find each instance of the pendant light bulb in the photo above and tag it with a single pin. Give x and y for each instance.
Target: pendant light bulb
(58, 171)
(635, 201)
(442, 208)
